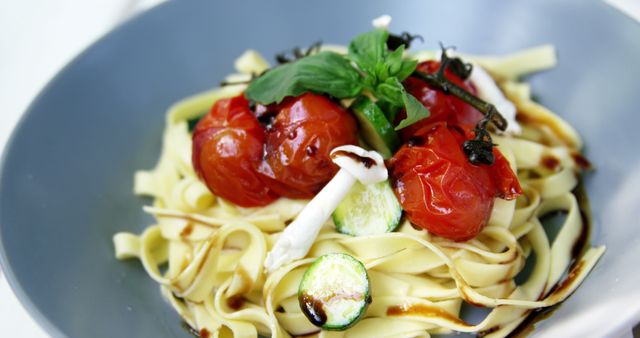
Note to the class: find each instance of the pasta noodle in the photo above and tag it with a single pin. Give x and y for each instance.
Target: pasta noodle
(214, 251)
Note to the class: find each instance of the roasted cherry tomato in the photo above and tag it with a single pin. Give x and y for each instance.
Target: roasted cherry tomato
(303, 133)
(443, 107)
(440, 190)
(227, 148)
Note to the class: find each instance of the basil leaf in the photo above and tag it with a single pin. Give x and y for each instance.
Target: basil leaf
(325, 72)
(398, 67)
(390, 91)
(369, 52)
(369, 49)
(415, 111)
(394, 62)
(407, 67)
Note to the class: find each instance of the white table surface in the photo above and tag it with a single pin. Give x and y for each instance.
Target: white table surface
(37, 38)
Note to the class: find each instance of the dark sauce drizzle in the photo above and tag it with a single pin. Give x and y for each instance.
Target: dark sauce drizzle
(312, 308)
(366, 161)
(189, 329)
(308, 335)
(235, 302)
(581, 161)
(203, 333)
(488, 331)
(424, 311)
(550, 162)
(581, 245)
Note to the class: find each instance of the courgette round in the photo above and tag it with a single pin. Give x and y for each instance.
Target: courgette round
(368, 210)
(334, 292)
(375, 129)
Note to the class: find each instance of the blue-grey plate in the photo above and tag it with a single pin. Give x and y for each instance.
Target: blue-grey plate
(67, 173)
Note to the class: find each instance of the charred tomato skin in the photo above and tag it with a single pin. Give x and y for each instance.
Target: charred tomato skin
(227, 148)
(298, 142)
(440, 190)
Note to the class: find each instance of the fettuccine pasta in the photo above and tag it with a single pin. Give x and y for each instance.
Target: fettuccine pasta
(214, 251)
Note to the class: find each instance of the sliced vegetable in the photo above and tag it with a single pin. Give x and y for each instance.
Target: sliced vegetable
(365, 166)
(368, 210)
(376, 130)
(334, 292)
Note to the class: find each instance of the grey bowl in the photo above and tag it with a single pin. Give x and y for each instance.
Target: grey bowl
(66, 176)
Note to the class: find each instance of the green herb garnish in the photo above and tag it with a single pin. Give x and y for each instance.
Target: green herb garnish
(415, 111)
(325, 72)
(369, 66)
(375, 66)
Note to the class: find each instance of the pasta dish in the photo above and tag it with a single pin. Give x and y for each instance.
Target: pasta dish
(365, 192)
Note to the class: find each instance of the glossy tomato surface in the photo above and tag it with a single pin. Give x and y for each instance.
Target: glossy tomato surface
(443, 107)
(227, 148)
(298, 143)
(440, 190)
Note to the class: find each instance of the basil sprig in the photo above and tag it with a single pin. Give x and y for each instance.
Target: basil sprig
(369, 65)
(369, 52)
(325, 72)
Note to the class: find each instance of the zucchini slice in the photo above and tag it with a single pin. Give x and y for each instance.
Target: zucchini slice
(334, 292)
(368, 210)
(375, 129)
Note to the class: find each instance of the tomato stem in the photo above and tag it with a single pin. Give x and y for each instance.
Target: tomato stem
(297, 53)
(405, 38)
(443, 84)
(478, 149)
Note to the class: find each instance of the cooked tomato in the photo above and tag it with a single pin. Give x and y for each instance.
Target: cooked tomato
(303, 133)
(443, 107)
(440, 190)
(227, 148)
